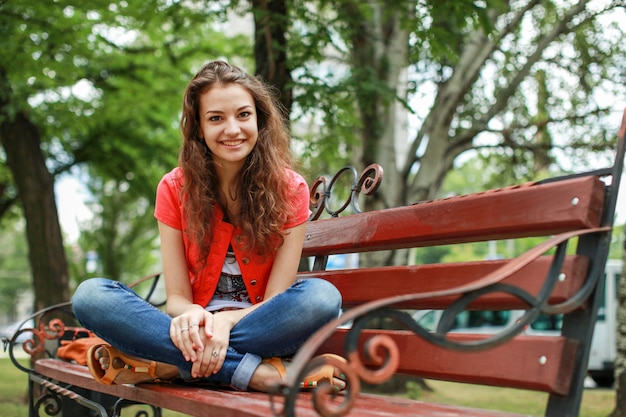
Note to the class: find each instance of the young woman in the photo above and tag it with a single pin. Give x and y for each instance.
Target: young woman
(231, 220)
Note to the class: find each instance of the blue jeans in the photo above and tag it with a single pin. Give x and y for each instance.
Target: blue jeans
(277, 328)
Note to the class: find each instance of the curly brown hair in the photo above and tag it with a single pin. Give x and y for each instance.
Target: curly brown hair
(261, 186)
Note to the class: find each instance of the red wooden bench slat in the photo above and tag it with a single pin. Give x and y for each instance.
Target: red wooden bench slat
(499, 214)
(361, 285)
(220, 404)
(517, 363)
(201, 402)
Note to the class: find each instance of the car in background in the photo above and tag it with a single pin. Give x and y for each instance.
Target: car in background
(489, 321)
(7, 332)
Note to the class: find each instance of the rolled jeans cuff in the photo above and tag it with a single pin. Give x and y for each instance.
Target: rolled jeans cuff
(243, 372)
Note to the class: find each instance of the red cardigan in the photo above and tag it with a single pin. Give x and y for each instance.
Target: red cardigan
(255, 269)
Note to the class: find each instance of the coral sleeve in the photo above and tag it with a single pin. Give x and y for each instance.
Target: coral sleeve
(300, 192)
(168, 206)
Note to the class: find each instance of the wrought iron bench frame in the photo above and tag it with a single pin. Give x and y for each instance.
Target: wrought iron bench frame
(375, 355)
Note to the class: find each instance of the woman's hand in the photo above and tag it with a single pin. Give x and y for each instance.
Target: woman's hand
(215, 338)
(185, 331)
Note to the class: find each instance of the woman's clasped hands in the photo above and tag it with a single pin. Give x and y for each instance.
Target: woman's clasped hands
(202, 339)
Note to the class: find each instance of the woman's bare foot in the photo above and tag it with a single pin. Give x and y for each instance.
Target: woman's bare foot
(271, 371)
(265, 376)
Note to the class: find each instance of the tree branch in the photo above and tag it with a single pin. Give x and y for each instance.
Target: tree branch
(542, 43)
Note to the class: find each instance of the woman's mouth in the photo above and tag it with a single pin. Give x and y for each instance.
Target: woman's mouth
(232, 142)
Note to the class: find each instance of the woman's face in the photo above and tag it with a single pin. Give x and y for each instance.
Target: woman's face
(228, 124)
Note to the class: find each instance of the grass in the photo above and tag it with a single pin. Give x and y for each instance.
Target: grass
(596, 402)
(13, 390)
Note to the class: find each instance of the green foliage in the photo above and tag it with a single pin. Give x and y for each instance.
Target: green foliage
(103, 82)
(14, 267)
(617, 242)
(476, 175)
(430, 254)
(471, 176)
(324, 97)
(440, 27)
(479, 251)
(551, 115)
(122, 234)
(414, 390)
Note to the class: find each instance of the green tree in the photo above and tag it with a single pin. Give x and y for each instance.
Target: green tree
(98, 83)
(515, 82)
(501, 82)
(14, 268)
(122, 233)
(502, 78)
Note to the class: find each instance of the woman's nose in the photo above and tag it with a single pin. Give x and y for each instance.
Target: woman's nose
(232, 127)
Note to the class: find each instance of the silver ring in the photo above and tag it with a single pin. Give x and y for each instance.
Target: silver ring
(214, 354)
(195, 323)
(184, 330)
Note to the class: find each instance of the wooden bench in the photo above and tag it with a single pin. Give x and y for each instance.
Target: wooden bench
(547, 279)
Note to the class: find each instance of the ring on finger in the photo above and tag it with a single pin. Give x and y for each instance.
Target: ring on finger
(215, 354)
(193, 324)
(184, 330)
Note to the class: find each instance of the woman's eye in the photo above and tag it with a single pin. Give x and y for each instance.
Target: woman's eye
(214, 118)
(244, 114)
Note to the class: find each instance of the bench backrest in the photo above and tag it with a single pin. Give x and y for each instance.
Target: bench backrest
(579, 208)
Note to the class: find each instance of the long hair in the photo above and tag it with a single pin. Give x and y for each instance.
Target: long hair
(261, 186)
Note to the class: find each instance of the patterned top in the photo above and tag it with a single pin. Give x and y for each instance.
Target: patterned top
(231, 292)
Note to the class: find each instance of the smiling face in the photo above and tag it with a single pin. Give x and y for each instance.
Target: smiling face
(228, 125)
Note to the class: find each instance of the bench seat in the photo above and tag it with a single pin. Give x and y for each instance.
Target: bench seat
(201, 402)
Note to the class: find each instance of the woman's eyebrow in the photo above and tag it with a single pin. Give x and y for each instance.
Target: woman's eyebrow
(245, 106)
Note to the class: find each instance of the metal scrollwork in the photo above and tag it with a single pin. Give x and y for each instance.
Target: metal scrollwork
(367, 183)
(381, 352)
(56, 323)
(51, 398)
(46, 326)
(122, 402)
(50, 402)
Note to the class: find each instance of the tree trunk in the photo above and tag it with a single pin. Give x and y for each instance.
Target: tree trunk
(379, 58)
(35, 186)
(271, 24)
(620, 360)
(442, 148)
